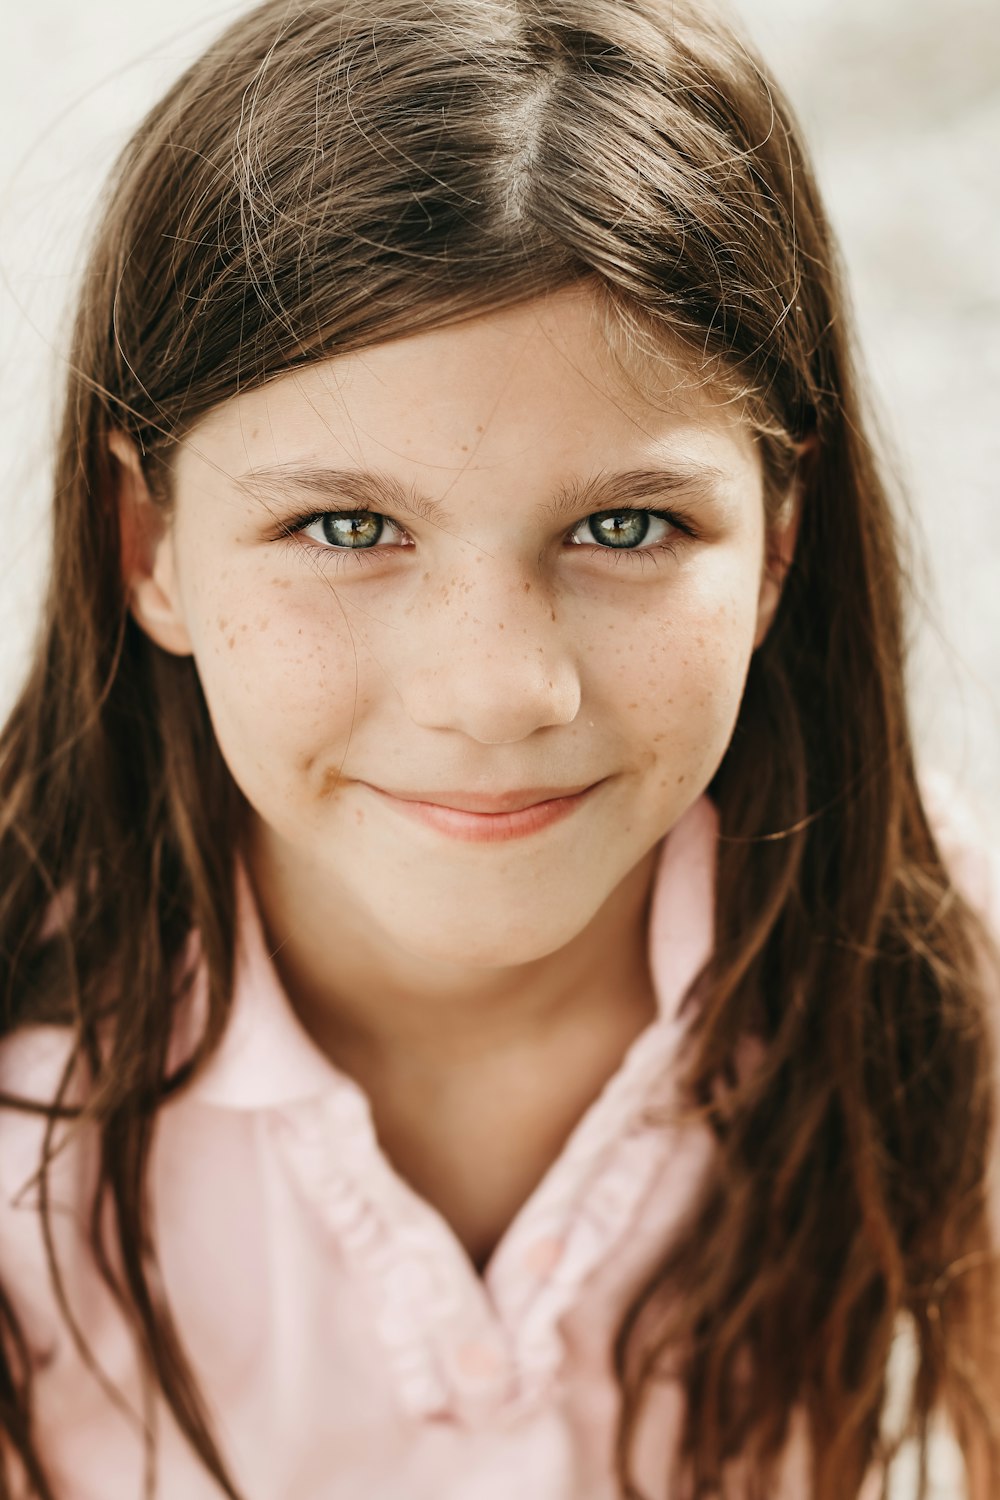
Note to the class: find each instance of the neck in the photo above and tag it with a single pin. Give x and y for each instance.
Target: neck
(370, 1005)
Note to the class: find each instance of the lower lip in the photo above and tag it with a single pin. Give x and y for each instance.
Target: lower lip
(489, 828)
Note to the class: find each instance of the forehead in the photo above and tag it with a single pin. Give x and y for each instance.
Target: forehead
(529, 396)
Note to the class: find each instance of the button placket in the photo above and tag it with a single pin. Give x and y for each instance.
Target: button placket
(604, 1203)
(452, 1345)
(426, 1303)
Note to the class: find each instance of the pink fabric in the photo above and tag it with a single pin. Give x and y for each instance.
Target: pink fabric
(345, 1344)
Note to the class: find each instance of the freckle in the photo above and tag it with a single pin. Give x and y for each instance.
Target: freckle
(480, 427)
(552, 613)
(262, 622)
(465, 447)
(231, 642)
(359, 816)
(222, 622)
(527, 588)
(501, 624)
(680, 779)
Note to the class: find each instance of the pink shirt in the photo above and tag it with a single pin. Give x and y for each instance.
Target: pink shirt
(347, 1348)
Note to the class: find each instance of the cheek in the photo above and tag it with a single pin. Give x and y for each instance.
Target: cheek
(684, 681)
(283, 678)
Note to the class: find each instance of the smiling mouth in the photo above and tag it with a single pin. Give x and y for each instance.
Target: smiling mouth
(490, 803)
(527, 811)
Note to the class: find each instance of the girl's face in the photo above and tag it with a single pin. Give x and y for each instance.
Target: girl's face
(469, 564)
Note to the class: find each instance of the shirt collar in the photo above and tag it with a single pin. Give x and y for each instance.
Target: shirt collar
(267, 1060)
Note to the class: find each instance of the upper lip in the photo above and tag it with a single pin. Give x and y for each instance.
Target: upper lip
(490, 802)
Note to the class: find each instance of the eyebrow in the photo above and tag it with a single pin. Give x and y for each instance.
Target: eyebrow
(376, 490)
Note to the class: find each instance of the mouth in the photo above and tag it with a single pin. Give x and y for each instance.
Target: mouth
(490, 803)
(496, 818)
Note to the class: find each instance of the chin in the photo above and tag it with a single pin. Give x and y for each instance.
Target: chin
(499, 948)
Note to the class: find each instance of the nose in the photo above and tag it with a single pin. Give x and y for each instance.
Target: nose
(492, 661)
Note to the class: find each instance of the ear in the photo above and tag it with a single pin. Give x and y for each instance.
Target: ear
(148, 567)
(779, 548)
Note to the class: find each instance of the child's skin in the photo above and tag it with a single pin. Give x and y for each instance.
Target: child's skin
(452, 977)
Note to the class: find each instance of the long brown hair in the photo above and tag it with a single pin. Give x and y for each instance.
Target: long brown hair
(333, 173)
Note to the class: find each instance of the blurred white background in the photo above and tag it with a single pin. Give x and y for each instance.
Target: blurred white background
(901, 103)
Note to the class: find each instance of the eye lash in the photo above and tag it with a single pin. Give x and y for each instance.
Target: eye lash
(295, 524)
(683, 531)
(679, 522)
(290, 531)
(328, 557)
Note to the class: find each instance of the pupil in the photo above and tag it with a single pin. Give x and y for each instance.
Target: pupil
(353, 532)
(620, 528)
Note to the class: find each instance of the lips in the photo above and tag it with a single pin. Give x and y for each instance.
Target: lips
(496, 818)
(515, 800)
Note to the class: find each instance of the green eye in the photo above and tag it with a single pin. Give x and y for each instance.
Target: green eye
(351, 531)
(619, 528)
(627, 530)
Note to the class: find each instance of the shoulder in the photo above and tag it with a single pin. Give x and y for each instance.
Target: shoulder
(33, 1062)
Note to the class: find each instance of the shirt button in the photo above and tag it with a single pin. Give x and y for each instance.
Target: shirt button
(544, 1255)
(478, 1361)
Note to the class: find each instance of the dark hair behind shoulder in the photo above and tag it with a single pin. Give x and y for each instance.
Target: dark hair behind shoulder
(331, 174)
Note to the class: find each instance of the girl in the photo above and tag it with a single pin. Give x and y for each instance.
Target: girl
(485, 1007)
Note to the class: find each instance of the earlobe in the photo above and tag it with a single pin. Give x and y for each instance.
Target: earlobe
(148, 570)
